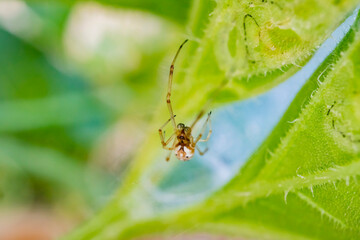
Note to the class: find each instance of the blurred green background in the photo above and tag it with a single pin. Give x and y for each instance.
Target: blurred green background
(78, 83)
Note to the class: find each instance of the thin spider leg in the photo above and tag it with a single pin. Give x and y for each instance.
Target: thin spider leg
(202, 152)
(206, 105)
(168, 148)
(171, 150)
(162, 136)
(245, 33)
(164, 145)
(203, 129)
(168, 141)
(170, 138)
(171, 74)
(201, 113)
(169, 155)
(210, 131)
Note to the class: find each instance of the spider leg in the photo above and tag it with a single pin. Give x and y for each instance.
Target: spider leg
(168, 156)
(162, 136)
(209, 133)
(168, 141)
(206, 105)
(171, 150)
(164, 144)
(201, 113)
(171, 74)
(203, 130)
(201, 152)
(245, 33)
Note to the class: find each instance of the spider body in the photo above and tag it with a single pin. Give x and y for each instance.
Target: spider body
(184, 148)
(183, 143)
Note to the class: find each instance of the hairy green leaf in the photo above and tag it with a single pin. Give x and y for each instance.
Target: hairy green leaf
(286, 190)
(306, 187)
(254, 45)
(300, 184)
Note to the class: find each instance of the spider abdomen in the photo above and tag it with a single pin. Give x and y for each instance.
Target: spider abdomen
(183, 152)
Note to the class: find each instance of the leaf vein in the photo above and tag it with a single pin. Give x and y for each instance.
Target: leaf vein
(322, 211)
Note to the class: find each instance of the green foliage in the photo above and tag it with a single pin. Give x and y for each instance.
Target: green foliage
(311, 175)
(302, 182)
(52, 107)
(176, 11)
(61, 171)
(39, 108)
(257, 44)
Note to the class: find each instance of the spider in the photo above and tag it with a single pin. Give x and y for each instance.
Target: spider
(183, 142)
